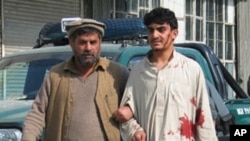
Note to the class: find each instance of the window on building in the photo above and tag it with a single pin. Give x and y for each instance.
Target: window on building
(194, 20)
(212, 22)
(134, 8)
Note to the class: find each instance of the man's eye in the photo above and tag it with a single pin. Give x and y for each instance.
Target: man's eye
(82, 43)
(93, 42)
(162, 29)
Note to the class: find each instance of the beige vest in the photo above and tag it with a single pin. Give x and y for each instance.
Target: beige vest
(60, 101)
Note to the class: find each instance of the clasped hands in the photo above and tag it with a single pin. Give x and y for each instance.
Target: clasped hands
(123, 114)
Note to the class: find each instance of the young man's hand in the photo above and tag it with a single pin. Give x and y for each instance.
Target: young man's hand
(139, 136)
(123, 114)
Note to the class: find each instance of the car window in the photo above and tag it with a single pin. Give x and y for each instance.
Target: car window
(134, 60)
(21, 80)
(22, 76)
(110, 55)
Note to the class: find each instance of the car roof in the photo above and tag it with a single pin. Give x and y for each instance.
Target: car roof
(104, 47)
(125, 53)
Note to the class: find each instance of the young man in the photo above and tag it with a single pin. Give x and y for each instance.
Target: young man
(166, 91)
(77, 97)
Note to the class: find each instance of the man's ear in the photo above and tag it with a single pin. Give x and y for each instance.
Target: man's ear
(71, 42)
(174, 33)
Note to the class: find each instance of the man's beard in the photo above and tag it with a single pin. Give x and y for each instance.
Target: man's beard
(86, 62)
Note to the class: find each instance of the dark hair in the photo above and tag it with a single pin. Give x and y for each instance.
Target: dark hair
(160, 16)
(85, 30)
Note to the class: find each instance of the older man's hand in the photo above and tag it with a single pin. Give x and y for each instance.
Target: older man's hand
(123, 114)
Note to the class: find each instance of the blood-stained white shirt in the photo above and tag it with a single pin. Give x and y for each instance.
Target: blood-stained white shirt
(170, 104)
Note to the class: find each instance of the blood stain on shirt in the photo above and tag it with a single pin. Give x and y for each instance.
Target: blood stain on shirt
(200, 117)
(186, 128)
(193, 101)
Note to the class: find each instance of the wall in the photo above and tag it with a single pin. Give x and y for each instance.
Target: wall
(178, 6)
(243, 42)
(22, 20)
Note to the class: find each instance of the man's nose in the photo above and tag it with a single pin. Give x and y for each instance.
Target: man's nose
(155, 34)
(88, 46)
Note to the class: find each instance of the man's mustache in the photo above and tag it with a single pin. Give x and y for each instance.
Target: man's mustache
(155, 40)
(87, 53)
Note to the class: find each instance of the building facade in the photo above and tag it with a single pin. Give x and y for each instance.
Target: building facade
(221, 24)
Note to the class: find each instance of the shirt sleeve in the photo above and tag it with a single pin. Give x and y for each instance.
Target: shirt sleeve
(35, 120)
(129, 128)
(204, 124)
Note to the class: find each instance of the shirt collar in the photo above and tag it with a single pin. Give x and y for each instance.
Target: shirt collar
(171, 62)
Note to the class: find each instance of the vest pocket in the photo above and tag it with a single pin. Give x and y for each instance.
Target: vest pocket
(111, 102)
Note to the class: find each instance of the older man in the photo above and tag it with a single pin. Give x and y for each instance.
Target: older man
(77, 98)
